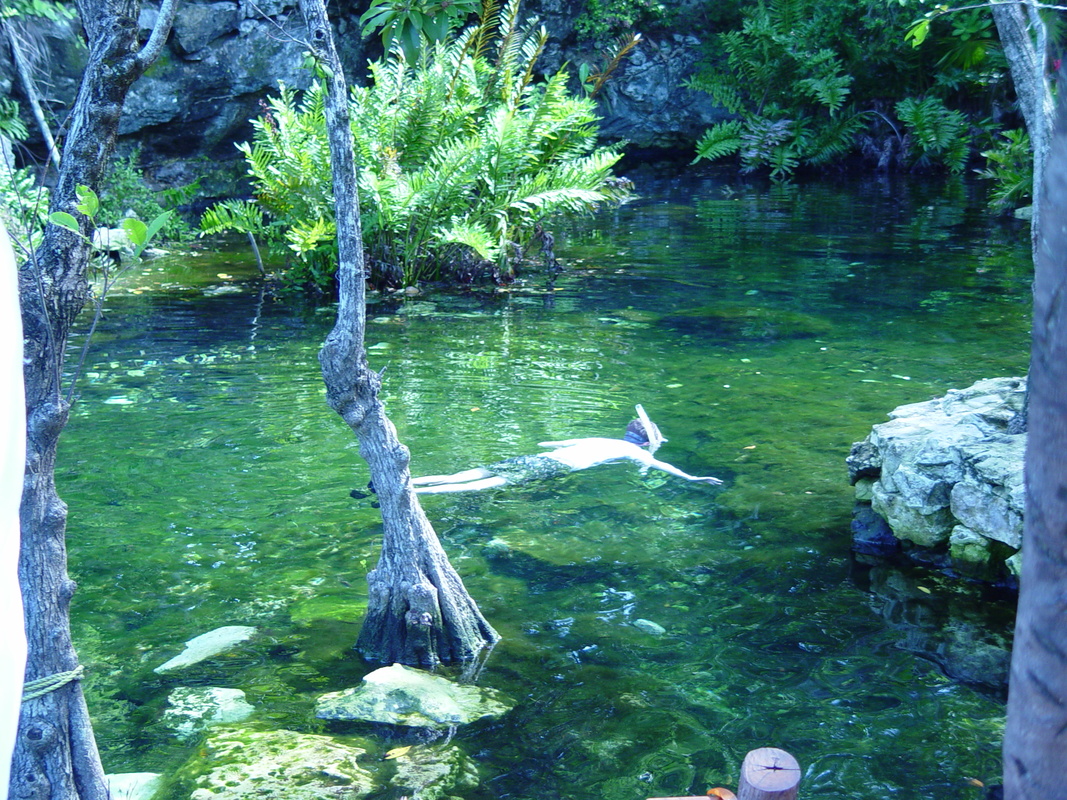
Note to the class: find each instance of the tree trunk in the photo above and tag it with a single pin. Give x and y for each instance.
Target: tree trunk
(55, 752)
(419, 611)
(12, 465)
(1023, 36)
(1035, 739)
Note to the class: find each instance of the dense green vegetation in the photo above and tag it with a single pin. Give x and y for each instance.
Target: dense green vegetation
(467, 150)
(464, 156)
(811, 82)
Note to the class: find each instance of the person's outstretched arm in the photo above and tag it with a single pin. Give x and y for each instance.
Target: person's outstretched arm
(673, 470)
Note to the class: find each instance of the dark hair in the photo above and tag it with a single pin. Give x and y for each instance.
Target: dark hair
(636, 434)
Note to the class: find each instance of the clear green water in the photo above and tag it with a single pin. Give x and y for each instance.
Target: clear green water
(765, 330)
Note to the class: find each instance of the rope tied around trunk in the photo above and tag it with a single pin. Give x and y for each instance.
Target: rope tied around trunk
(42, 686)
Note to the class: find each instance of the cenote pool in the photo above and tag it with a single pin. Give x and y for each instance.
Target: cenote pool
(763, 328)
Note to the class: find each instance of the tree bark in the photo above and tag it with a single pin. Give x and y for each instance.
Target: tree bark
(1023, 36)
(1035, 739)
(419, 611)
(55, 751)
(12, 464)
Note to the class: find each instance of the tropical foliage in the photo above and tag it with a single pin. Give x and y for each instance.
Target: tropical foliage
(810, 81)
(23, 209)
(412, 22)
(1010, 165)
(463, 157)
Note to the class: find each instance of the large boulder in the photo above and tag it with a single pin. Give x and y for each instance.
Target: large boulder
(947, 474)
(400, 695)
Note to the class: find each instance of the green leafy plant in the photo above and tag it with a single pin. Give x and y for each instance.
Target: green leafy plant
(937, 134)
(1010, 166)
(593, 79)
(35, 8)
(604, 20)
(11, 125)
(23, 209)
(809, 82)
(410, 22)
(139, 233)
(124, 190)
(463, 156)
(789, 88)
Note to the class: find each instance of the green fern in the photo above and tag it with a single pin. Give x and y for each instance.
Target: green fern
(939, 135)
(462, 155)
(240, 216)
(720, 141)
(1010, 166)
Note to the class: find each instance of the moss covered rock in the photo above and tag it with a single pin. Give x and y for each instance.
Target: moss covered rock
(399, 695)
(279, 765)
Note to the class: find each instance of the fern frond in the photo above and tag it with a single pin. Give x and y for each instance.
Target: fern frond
(720, 140)
(241, 216)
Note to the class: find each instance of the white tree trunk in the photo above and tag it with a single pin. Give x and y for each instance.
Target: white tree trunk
(12, 462)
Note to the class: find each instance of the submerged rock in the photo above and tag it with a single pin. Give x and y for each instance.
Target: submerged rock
(287, 765)
(399, 695)
(648, 626)
(431, 772)
(947, 474)
(133, 785)
(207, 645)
(279, 765)
(193, 710)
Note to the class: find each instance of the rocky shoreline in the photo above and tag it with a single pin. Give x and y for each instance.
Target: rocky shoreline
(942, 481)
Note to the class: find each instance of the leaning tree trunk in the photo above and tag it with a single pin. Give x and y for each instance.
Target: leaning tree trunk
(55, 752)
(1035, 740)
(419, 612)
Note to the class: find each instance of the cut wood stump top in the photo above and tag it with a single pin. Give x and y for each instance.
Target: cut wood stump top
(768, 774)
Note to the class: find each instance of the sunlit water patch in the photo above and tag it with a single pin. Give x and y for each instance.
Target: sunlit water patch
(654, 630)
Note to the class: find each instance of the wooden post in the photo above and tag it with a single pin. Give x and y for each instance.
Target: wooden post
(768, 774)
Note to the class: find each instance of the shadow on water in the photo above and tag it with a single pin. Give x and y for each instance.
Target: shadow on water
(654, 630)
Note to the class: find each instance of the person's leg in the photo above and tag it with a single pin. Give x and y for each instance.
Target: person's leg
(493, 482)
(458, 477)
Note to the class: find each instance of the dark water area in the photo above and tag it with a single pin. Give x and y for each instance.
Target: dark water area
(763, 328)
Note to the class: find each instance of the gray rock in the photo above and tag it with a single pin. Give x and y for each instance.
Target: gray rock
(399, 695)
(648, 626)
(946, 464)
(133, 785)
(194, 710)
(112, 240)
(207, 645)
(198, 24)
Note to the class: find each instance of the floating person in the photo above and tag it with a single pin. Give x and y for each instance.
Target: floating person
(569, 455)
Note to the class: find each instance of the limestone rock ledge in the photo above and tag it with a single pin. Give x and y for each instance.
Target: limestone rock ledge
(947, 476)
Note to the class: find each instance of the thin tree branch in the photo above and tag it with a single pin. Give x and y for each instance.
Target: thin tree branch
(154, 46)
